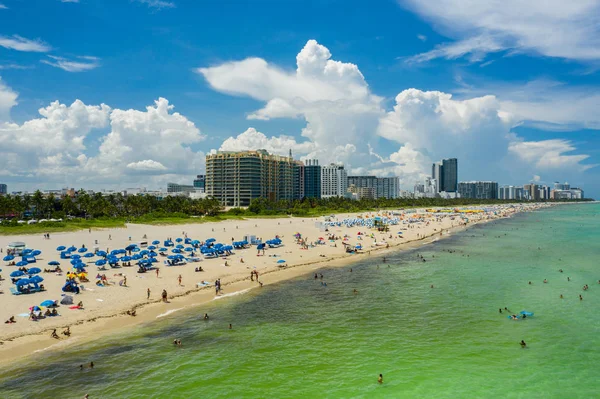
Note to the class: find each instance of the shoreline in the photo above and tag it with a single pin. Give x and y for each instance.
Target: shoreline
(22, 346)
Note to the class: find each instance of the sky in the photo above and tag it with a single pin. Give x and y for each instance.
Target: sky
(134, 93)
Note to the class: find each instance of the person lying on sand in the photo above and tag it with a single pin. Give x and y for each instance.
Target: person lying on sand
(54, 334)
(11, 320)
(131, 312)
(67, 331)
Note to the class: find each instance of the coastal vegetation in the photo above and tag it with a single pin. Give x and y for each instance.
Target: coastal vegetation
(85, 211)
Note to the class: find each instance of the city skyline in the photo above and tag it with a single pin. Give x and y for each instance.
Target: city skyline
(147, 99)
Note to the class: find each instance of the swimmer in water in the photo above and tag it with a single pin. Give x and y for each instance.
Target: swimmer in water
(499, 310)
(530, 283)
(580, 297)
(561, 296)
(380, 379)
(545, 281)
(523, 344)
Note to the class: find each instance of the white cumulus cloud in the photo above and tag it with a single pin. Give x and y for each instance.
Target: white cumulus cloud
(549, 154)
(252, 139)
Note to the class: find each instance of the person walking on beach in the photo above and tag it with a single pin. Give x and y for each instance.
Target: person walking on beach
(156, 273)
(148, 292)
(164, 296)
(179, 279)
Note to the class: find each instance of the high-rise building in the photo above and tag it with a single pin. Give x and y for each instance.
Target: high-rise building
(562, 186)
(387, 187)
(362, 181)
(311, 179)
(3, 189)
(533, 190)
(445, 174)
(436, 174)
(478, 189)
(236, 178)
(200, 182)
(334, 181)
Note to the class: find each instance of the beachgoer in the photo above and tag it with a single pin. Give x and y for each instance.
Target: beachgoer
(124, 281)
(148, 292)
(156, 273)
(205, 316)
(530, 283)
(561, 296)
(545, 281)
(80, 305)
(91, 365)
(355, 291)
(499, 310)
(580, 297)
(523, 344)
(54, 334)
(230, 326)
(10, 320)
(179, 279)
(380, 379)
(67, 331)
(164, 295)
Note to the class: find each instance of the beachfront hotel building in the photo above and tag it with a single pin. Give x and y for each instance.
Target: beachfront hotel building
(334, 181)
(478, 189)
(384, 187)
(236, 178)
(311, 182)
(3, 189)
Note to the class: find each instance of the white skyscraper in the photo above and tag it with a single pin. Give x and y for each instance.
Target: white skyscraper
(334, 181)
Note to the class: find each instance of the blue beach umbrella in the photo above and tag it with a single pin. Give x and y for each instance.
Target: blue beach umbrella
(47, 303)
(210, 240)
(195, 242)
(152, 247)
(54, 263)
(75, 256)
(8, 258)
(153, 260)
(34, 270)
(100, 262)
(179, 246)
(176, 250)
(101, 253)
(82, 250)
(163, 249)
(22, 263)
(281, 261)
(36, 279)
(152, 254)
(179, 239)
(72, 248)
(76, 262)
(126, 258)
(22, 282)
(130, 247)
(37, 252)
(61, 248)
(168, 257)
(155, 242)
(189, 249)
(136, 257)
(89, 255)
(79, 266)
(144, 252)
(26, 251)
(17, 273)
(136, 249)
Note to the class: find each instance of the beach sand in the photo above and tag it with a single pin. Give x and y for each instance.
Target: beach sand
(105, 307)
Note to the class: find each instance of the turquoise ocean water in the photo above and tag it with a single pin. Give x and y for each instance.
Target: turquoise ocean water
(299, 339)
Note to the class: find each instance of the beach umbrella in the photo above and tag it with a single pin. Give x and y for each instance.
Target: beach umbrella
(35, 308)
(153, 260)
(210, 240)
(79, 266)
(136, 257)
(168, 257)
(26, 251)
(22, 263)
(179, 246)
(163, 249)
(195, 242)
(101, 262)
(281, 261)
(47, 303)
(130, 247)
(75, 256)
(155, 242)
(176, 250)
(101, 253)
(34, 270)
(36, 279)
(22, 282)
(89, 255)
(189, 249)
(82, 250)
(76, 261)
(179, 239)
(126, 258)
(17, 273)
(61, 248)
(152, 247)
(152, 254)
(136, 249)
(144, 252)
(72, 248)
(54, 263)
(8, 258)
(37, 252)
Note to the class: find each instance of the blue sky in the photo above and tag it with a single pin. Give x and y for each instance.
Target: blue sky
(386, 87)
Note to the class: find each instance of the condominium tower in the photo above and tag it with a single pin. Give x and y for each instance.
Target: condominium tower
(235, 178)
(334, 181)
(445, 174)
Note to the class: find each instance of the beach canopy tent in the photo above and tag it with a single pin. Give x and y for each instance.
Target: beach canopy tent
(61, 248)
(8, 258)
(47, 303)
(17, 273)
(34, 270)
(54, 263)
(16, 247)
(67, 300)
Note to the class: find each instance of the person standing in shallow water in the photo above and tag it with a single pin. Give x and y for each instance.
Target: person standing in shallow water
(380, 379)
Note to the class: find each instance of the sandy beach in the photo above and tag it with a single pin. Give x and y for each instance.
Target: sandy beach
(104, 307)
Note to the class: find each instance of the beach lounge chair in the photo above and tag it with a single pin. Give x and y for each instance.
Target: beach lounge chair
(14, 291)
